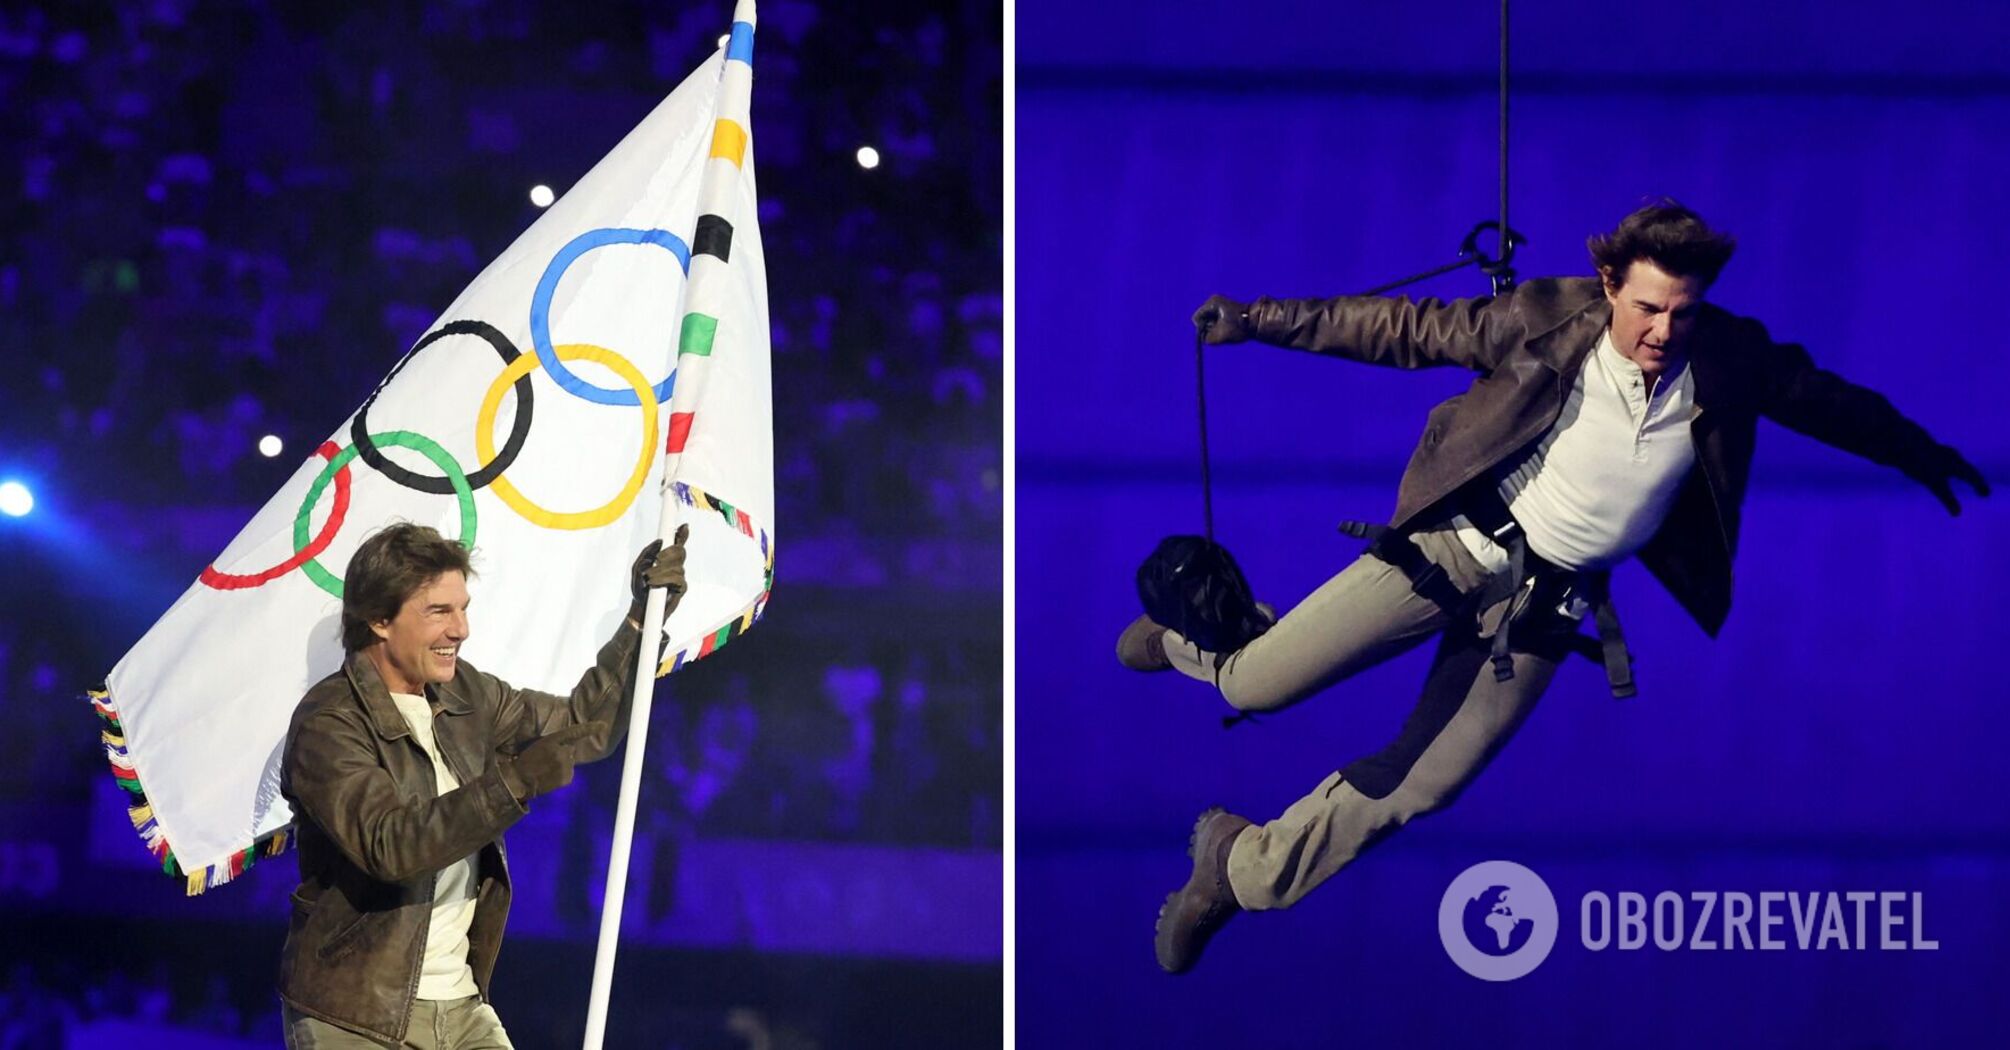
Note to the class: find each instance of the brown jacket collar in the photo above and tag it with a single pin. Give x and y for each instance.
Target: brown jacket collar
(376, 696)
(1564, 345)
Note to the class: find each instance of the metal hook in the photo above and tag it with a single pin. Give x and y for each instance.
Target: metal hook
(1501, 269)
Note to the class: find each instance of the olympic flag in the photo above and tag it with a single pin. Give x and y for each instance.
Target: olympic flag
(562, 407)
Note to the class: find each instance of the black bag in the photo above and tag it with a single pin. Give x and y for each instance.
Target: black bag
(1192, 585)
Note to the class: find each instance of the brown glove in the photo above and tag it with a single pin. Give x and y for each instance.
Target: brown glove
(656, 567)
(1223, 320)
(1940, 469)
(545, 764)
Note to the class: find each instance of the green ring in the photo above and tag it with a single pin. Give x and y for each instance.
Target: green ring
(426, 447)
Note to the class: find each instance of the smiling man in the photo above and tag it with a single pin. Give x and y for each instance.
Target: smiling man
(403, 769)
(1612, 416)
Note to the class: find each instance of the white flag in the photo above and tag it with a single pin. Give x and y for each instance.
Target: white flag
(532, 423)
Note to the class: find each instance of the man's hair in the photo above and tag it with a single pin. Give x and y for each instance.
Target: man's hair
(1668, 235)
(387, 570)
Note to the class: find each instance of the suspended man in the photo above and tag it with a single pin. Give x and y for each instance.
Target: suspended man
(1612, 416)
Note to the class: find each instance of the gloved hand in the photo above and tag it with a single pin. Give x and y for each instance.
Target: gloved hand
(1942, 466)
(1223, 320)
(545, 764)
(656, 567)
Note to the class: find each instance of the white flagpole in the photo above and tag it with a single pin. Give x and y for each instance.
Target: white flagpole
(715, 194)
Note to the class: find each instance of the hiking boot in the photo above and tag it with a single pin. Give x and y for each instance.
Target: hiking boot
(1142, 646)
(1191, 916)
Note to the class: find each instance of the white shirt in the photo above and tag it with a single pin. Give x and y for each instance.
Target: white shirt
(446, 973)
(1596, 487)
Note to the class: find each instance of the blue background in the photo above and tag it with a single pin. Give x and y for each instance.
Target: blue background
(1843, 733)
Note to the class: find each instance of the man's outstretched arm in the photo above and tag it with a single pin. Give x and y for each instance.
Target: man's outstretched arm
(1399, 333)
(1856, 419)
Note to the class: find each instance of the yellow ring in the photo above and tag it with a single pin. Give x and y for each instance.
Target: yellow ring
(485, 445)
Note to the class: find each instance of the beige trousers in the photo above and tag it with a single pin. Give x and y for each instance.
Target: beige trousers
(1366, 614)
(437, 1024)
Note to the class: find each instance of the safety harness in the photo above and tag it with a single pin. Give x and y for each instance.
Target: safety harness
(1542, 587)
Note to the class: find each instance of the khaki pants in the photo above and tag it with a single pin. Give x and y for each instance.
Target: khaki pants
(1369, 613)
(445, 1024)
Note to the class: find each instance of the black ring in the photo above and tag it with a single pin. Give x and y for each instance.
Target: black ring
(359, 433)
(1505, 244)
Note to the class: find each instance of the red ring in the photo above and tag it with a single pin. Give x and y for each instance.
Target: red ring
(224, 581)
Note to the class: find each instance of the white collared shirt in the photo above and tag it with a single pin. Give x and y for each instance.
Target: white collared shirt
(1596, 487)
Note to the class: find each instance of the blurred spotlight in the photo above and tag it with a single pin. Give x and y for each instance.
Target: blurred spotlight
(868, 158)
(15, 499)
(541, 196)
(270, 446)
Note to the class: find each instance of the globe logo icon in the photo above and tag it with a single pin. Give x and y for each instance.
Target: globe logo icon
(1492, 926)
(1497, 920)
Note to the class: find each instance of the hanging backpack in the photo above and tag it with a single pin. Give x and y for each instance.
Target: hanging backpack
(1193, 585)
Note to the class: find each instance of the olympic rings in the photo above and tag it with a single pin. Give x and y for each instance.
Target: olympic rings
(441, 458)
(540, 311)
(515, 375)
(359, 435)
(225, 581)
(612, 509)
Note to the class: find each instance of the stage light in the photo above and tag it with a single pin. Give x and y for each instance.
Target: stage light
(270, 446)
(15, 499)
(868, 158)
(541, 196)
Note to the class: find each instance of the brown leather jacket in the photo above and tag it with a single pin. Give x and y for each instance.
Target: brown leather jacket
(1527, 347)
(372, 831)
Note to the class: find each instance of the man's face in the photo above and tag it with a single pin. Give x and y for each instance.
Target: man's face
(1652, 313)
(422, 643)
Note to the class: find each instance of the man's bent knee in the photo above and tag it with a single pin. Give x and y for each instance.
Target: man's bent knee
(1246, 694)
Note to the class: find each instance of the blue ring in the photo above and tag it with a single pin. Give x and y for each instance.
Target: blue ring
(540, 310)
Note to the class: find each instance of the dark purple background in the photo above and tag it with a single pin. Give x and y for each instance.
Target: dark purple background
(1844, 732)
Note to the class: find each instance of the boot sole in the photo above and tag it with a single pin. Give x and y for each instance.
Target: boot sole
(1197, 877)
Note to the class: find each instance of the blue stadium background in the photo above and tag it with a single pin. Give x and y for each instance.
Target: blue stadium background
(1845, 731)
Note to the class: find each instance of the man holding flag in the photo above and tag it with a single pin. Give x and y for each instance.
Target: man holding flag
(603, 381)
(403, 770)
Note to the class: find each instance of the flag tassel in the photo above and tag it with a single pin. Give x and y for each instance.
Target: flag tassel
(140, 811)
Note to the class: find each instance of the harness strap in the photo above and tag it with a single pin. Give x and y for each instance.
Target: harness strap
(1517, 546)
(1425, 577)
(1485, 509)
(1611, 641)
(1492, 517)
